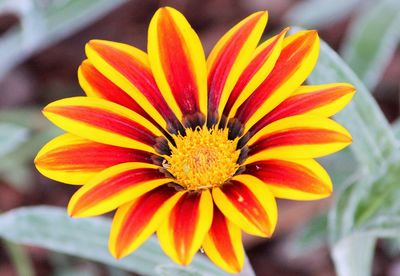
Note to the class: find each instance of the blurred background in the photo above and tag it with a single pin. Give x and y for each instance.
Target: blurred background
(42, 44)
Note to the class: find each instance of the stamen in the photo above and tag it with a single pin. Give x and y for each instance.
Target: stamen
(203, 159)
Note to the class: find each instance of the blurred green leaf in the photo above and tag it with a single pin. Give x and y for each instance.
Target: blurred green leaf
(51, 228)
(311, 236)
(340, 166)
(366, 207)
(378, 211)
(373, 138)
(20, 259)
(167, 270)
(16, 164)
(11, 136)
(329, 12)
(44, 23)
(396, 129)
(372, 40)
(369, 205)
(355, 255)
(64, 265)
(29, 117)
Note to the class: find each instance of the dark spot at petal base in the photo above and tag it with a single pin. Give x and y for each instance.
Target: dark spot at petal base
(235, 129)
(244, 152)
(194, 120)
(161, 146)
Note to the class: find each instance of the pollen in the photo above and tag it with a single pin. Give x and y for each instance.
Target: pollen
(203, 158)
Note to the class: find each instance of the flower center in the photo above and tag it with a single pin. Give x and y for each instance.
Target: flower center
(203, 158)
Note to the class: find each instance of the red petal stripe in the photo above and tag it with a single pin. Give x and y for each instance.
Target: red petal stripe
(89, 156)
(249, 72)
(287, 174)
(114, 185)
(302, 103)
(177, 65)
(104, 88)
(101, 87)
(297, 137)
(140, 75)
(141, 213)
(289, 60)
(105, 120)
(247, 203)
(223, 63)
(183, 221)
(220, 235)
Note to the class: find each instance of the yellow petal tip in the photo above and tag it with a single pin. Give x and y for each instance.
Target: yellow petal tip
(117, 255)
(72, 211)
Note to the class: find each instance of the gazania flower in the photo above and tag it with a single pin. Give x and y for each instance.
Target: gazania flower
(195, 149)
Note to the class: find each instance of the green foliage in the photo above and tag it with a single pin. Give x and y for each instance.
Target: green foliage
(309, 237)
(366, 204)
(19, 259)
(320, 13)
(366, 208)
(11, 136)
(25, 131)
(373, 138)
(353, 255)
(51, 228)
(372, 36)
(44, 23)
(372, 39)
(340, 166)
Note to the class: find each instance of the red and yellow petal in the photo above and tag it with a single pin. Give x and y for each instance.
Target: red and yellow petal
(97, 85)
(182, 234)
(104, 122)
(321, 100)
(74, 160)
(178, 62)
(293, 179)
(296, 61)
(260, 66)
(230, 57)
(247, 202)
(135, 221)
(129, 69)
(223, 243)
(114, 187)
(298, 137)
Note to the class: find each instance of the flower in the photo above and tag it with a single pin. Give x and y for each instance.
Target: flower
(195, 149)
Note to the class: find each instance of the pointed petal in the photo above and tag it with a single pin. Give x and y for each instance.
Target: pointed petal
(182, 234)
(298, 137)
(74, 160)
(261, 65)
(135, 221)
(229, 58)
(223, 243)
(115, 186)
(178, 62)
(322, 100)
(293, 179)
(128, 68)
(103, 121)
(97, 85)
(247, 202)
(296, 61)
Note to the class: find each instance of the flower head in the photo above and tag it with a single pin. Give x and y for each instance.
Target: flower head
(195, 149)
